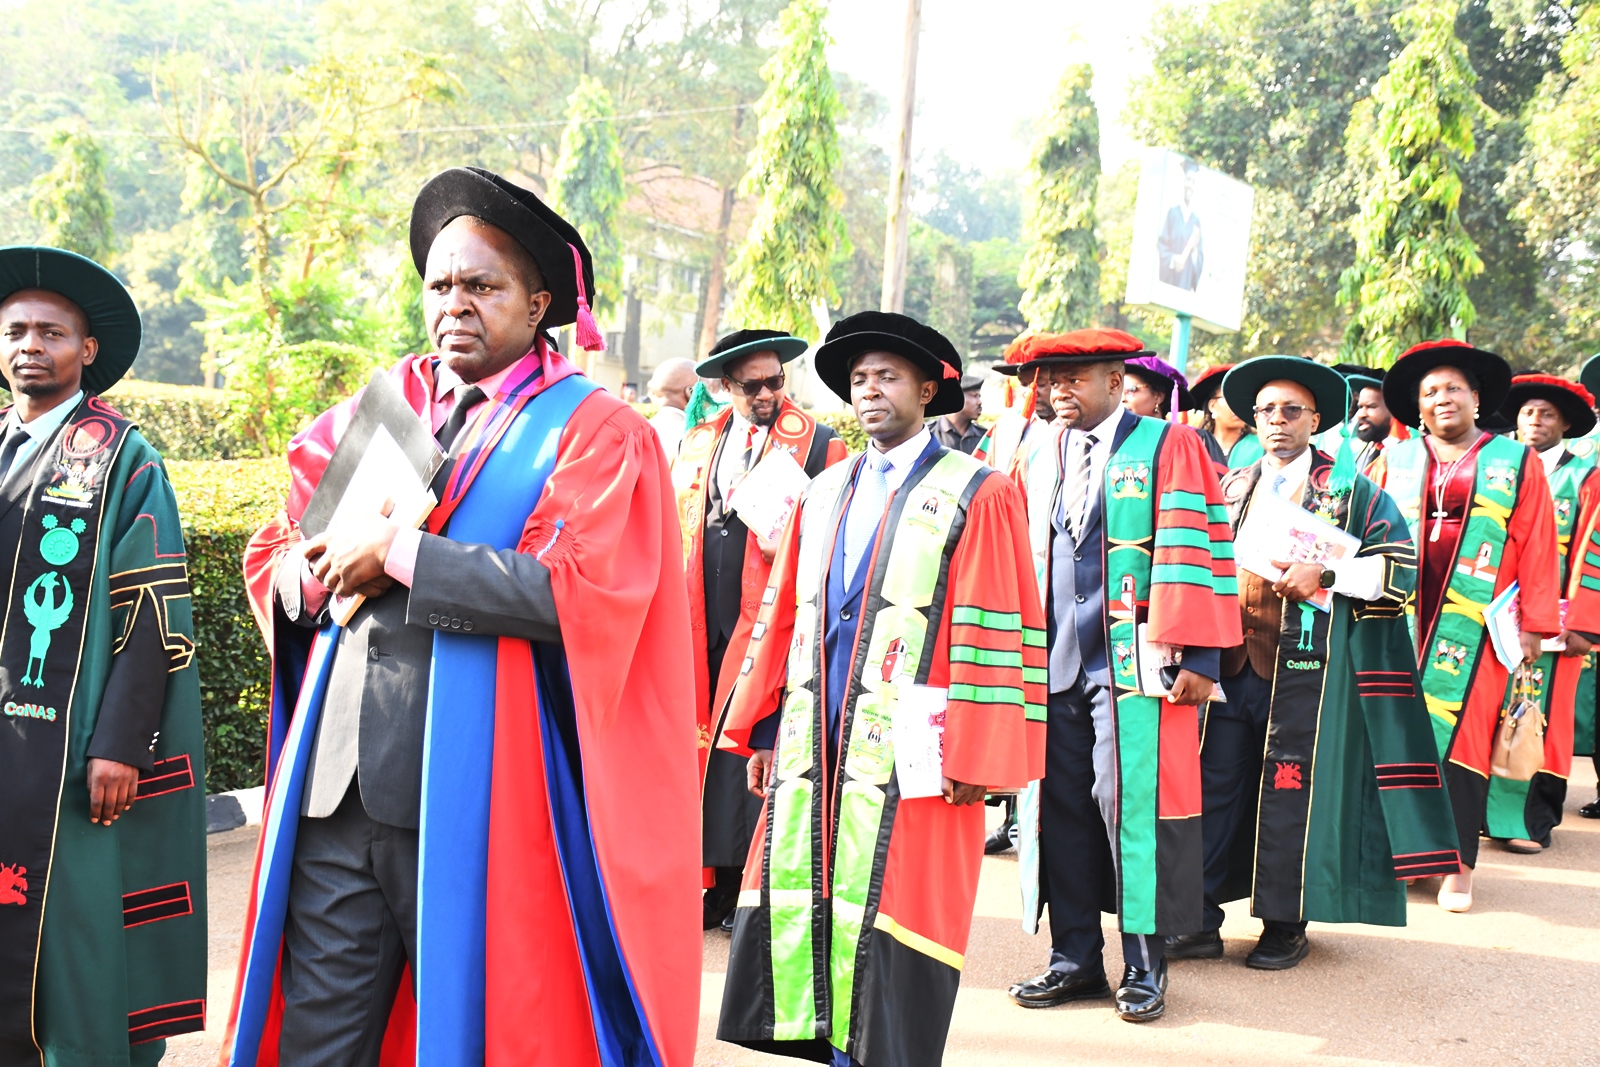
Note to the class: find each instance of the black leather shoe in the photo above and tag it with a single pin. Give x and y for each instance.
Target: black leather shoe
(1278, 950)
(1059, 987)
(726, 925)
(1206, 945)
(1590, 810)
(1143, 994)
(716, 906)
(999, 841)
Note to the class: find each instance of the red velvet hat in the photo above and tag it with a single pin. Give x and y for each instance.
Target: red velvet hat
(1575, 403)
(1405, 377)
(1077, 346)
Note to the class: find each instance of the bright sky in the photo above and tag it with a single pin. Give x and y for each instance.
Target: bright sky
(986, 70)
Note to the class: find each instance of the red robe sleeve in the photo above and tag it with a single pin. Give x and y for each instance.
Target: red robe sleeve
(759, 689)
(1531, 554)
(1194, 588)
(991, 649)
(1583, 558)
(607, 529)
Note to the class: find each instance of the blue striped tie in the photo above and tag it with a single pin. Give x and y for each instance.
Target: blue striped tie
(866, 509)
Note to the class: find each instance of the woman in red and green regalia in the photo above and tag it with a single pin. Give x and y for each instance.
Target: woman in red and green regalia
(1481, 515)
(102, 783)
(902, 575)
(1546, 410)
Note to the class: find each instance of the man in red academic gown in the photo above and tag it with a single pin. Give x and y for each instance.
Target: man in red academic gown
(459, 786)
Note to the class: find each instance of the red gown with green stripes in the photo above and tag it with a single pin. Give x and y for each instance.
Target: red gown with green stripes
(853, 920)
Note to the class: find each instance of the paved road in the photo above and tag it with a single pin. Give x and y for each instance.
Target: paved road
(1515, 981)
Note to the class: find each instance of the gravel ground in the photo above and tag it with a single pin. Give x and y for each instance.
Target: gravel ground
(1516, 980)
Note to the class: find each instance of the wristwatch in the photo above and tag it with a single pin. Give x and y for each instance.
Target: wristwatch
(1327, 579)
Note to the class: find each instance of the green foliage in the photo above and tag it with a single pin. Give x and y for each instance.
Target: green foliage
(70, 199)
(971, 205)
(222, 504)
(939, 283)
(845, 424)
(1060, 275)
(182, 422)
(588, 186)
(783, 268)
(1413, 255)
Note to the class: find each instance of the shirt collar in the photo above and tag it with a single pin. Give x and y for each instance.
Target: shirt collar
(42, 427)
(1551, 456)
(1294, 472)
(1107, 429)
(905, 454)
(445, 380)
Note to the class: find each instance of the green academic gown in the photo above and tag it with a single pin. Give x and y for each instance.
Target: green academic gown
(102, 928)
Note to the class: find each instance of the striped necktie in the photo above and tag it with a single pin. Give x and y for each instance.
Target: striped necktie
(1077, 491)
(866, 510)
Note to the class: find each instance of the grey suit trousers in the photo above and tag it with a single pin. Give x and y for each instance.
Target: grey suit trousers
(351, 927)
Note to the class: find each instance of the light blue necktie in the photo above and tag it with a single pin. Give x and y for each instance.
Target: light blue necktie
(866, 509)
(1277, 483)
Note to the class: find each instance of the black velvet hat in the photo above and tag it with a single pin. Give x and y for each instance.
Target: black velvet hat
(552, 241)
(886, 331)
(741, 343)
(1400, 385)
(1589, 375)
(105, 302)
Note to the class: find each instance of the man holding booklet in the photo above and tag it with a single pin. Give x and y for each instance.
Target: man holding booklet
(1324, 727)
(1132, 553)
(901, 618)
(452, 844)
(761, 449)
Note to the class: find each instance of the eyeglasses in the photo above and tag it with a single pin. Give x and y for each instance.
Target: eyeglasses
(753, 388)
(1290, 412)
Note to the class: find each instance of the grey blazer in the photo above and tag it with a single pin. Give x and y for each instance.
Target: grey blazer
(375, 711)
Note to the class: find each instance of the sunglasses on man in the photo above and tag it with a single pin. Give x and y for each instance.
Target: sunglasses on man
(752, 388)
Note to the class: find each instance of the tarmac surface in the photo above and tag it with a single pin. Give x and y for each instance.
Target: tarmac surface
(1514, 981)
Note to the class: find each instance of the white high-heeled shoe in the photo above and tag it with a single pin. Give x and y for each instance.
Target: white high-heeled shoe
(1455, 901)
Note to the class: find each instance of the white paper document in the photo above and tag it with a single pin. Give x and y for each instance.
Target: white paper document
(1503, 619)
(1149, 657)
(1274, 528)
(919, 740)
(766, 496)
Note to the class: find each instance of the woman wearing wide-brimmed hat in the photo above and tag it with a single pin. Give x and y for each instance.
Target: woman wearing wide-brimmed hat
(1231, 440)
(1480, 512)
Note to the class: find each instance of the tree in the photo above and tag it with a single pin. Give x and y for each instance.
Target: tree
(70, 199)
(1060, 275)
(783, 267)
(1413, 255)
(588, 186)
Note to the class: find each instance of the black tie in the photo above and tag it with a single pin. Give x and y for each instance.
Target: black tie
(15, 436)
(466, 400)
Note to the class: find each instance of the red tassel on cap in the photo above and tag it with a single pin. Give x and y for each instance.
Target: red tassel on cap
(584, 329)
(951, 372)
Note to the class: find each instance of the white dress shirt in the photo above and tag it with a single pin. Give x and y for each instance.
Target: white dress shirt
(730, 468)
(1551, 458)
(1359, 578)
(40, 429)
(1099, 456)
(669, 424)
(902, 459)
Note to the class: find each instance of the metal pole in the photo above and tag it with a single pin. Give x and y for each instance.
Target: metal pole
(897, 241)
(1180, 343)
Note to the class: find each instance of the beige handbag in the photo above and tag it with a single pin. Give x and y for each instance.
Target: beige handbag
(1519, 742)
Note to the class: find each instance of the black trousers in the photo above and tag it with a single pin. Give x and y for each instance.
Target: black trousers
(1231, 757)
(728, 811)
(1076, 865)
(351, 927)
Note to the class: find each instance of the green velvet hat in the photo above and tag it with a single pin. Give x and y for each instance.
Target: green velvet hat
(105, 302)
(1243, 382)
(741, 343)
(1589, 376)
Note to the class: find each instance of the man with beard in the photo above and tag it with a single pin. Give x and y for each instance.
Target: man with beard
(1370, 421)
(727, 565)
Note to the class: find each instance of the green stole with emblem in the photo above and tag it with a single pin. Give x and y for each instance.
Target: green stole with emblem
(1448, 651)
(41, 645)
(1506, 815)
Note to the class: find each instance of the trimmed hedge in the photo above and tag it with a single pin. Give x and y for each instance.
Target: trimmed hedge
(222, 503)
(183, 422)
